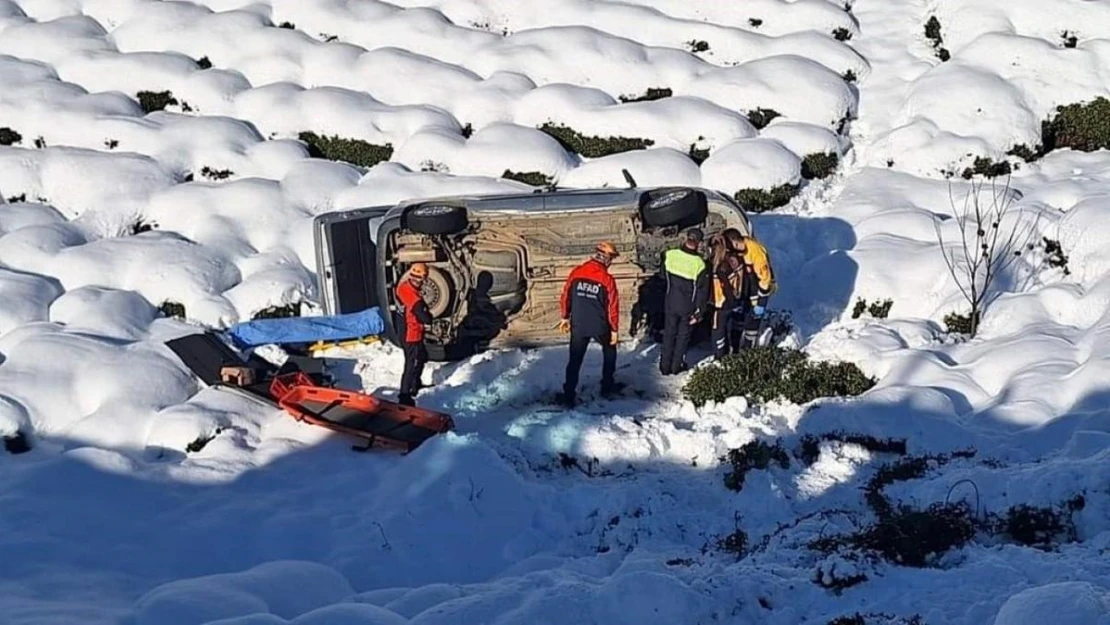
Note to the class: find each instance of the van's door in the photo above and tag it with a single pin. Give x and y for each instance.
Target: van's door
(346, 252)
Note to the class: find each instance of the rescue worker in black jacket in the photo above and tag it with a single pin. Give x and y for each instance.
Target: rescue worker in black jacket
(687, 279)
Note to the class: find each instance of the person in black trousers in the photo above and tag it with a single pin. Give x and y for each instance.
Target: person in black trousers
(687, 279)
(590, 307)
(415, 315)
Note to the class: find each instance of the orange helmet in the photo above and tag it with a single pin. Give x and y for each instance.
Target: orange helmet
(419, 270)
(608, 249)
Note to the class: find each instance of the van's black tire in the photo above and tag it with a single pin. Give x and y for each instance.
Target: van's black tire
(435, 219)
(677, 206)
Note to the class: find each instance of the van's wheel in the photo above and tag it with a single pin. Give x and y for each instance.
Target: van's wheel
(435, 219)
(438, 291)
(681, 207)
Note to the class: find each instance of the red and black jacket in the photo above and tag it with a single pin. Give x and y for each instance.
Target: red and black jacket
(415, 310)
(590, 301)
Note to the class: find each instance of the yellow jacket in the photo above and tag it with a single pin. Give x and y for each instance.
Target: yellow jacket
(756, 258)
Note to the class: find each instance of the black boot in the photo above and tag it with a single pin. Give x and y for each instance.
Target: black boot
(406, 400)
(567, 400)
(612, 389)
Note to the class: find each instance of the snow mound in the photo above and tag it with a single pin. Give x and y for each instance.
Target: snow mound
(286, 589)
(1067, 602)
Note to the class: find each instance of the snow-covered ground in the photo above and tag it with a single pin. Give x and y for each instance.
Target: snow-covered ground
(109, 520)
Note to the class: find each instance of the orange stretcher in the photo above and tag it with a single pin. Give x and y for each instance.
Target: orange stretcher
(379, 422)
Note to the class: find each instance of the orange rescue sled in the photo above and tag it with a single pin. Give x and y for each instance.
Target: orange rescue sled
(381, 423)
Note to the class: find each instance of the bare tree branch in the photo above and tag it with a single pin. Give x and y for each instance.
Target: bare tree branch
(979, 259)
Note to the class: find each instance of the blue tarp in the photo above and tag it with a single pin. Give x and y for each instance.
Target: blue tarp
(307, 329)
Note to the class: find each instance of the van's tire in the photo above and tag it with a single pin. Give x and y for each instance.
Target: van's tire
(435, 219)
(678, 206)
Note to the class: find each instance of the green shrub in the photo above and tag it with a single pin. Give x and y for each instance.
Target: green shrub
(204, 63)
(1070, 40)
(653, 93)
(1056, 256)
(872, 618)
(216, 174)
(1025, 153)
(9, 136)
(903, 470)
(932, 33)
(698, 155)
(877, 309)
(760, 201)
(986, 167)
(810, 448)
(754, 455)
(140, 226)
(1084, 127)
(735, 543)
(755, 22)
(1039, 527)
(16, 199)
(593, 147)
(279, 312)
(288, 25)
(961, 324)
(201, 441)
(698, 45)
(172, 309)
(534, 178)
(16, 444)
(768, 373)
(111, 144)
(819, 166)
(152, 101)
(353, 151)
(849, 76)
(909, 537)
(40, 143)
(467, 130)
(842, 34)
(760, 117)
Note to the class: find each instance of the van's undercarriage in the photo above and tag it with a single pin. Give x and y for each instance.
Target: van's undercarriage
(498, 281)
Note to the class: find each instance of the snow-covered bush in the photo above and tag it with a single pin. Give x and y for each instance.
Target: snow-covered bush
(768, 373)
(9, 136)
(760, 117)
(652, 94)
(755, 455)
(353, 151)
(152, 101)
(172, 309)
(877, 309)
(593, 147)
(762, 200)
(279, 312)
(534, 178)
(932, 33)
(818, 166)
(1081, 126)
(810, 448)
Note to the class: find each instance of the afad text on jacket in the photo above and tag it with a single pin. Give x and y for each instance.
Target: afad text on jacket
(590, 301)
